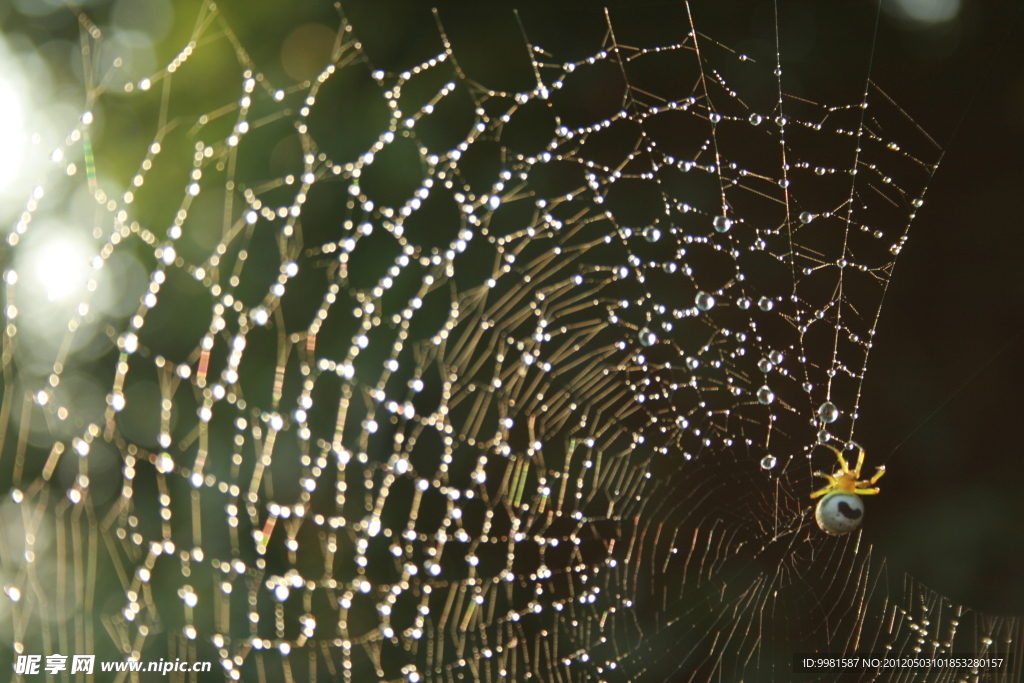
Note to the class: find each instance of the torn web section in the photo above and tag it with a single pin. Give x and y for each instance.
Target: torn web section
(849, 250)
(764, 258)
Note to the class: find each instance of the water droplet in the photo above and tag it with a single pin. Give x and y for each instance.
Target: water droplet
(776, 357)
(842, 263)
(806, 217)
(648, 338)
(768, 462)
(715, 117)
(807, 386)
(705, 301)
(682, 422)
(743, 303)
(669, 267)
(765, 304)
(692, 363)
(764, 365)
(918, 203)
(722, 224)
(756, 119)
(652, 234)
(823, 436)
(765, 395)
(784, 183)
(828, 413)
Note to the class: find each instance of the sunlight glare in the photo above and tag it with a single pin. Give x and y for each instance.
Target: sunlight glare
(928, 12)
(60, 265)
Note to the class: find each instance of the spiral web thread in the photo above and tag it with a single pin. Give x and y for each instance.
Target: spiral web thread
(522, 383)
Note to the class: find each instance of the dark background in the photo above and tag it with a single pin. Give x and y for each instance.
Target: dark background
(953, 514)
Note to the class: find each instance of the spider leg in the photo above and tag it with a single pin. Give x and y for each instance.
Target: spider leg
(825, 489)
(864, 487)
(860, 460)
(845, 466)
(879, 471)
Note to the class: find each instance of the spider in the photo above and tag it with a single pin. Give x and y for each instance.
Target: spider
(841, 510)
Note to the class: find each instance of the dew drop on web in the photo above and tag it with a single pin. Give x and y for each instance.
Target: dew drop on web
(705, 301)
(828, 413)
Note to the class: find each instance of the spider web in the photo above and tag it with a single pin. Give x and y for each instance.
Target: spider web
(444, 369)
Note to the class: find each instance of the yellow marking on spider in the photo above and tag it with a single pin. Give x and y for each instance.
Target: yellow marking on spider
(848, 480)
